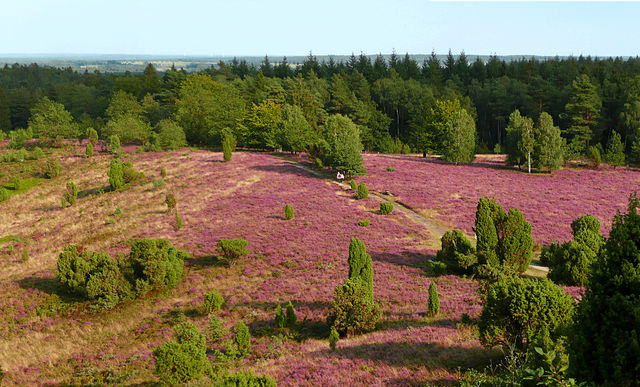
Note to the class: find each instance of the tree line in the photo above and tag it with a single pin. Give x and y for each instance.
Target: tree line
(396, 104)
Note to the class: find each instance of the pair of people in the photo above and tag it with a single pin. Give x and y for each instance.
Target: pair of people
(340, 177)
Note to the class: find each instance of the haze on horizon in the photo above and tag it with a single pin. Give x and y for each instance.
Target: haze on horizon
(255, 28)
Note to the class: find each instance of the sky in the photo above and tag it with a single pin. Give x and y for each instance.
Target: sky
(258, 28)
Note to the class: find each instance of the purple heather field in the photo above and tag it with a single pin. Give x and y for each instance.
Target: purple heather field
(48, 339)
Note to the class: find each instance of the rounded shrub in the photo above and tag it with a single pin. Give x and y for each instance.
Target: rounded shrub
(72, 193)
(178, 222)
(386, 208)
(353, 310)
(364, 223)
(51, 168)
(288, 212)
(248, 379)
(217, 331)
(515, 311)
(457, 252)
(4, 194)
(232, 249)
(155, 264)
(37, 153)
(354, 185)
(89, 150)
(180, 362)
(163, 172)
(212, 302)
(363, 192)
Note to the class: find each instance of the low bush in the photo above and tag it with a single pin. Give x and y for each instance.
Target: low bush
(217, 331)
(353, 311)
(389, 169)
(51, 168)
(246, 379)
(89, 150)
(364, 223)
(288, 212)
(457, 252)
(91, 275)
(386, 208)
(182, 361)
(155, 264)
(131, 175)
(163, 172)
(516, 311)
(170, 135)
(363, 192)
(212, 302)
(232, 249)
(158, 183)
(72, 193)
(37, 153)
(17, 183)
(170, 201)
(4, 194)
(354, 185)
(570, 262)
(436, 268)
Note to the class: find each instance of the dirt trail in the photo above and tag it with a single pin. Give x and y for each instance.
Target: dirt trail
(434, 227)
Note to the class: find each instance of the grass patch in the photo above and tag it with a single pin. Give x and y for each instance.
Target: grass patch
(25, 185)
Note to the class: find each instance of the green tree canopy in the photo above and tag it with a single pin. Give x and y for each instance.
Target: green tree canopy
(341, 145)
(459, 140)
(520, 139)
(258, 127)
(548, 151)
(50, 120)
(205, 107)
(293, 131)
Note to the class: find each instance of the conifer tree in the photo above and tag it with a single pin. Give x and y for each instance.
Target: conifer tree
(606, 346)
(360, 265)
(615, 151)
(434, 300)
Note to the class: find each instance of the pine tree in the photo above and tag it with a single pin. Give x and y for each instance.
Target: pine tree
(360, 265)
(615, 151)
(434, 300)
(583, 111)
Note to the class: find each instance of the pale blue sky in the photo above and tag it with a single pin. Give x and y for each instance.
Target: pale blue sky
(251, 27)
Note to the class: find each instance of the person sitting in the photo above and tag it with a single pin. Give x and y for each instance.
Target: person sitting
(340, 177)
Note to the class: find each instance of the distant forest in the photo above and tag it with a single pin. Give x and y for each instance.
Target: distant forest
(389, 98)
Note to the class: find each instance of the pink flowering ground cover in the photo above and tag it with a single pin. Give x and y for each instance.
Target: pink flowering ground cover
(550, 202)
(48, 337)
